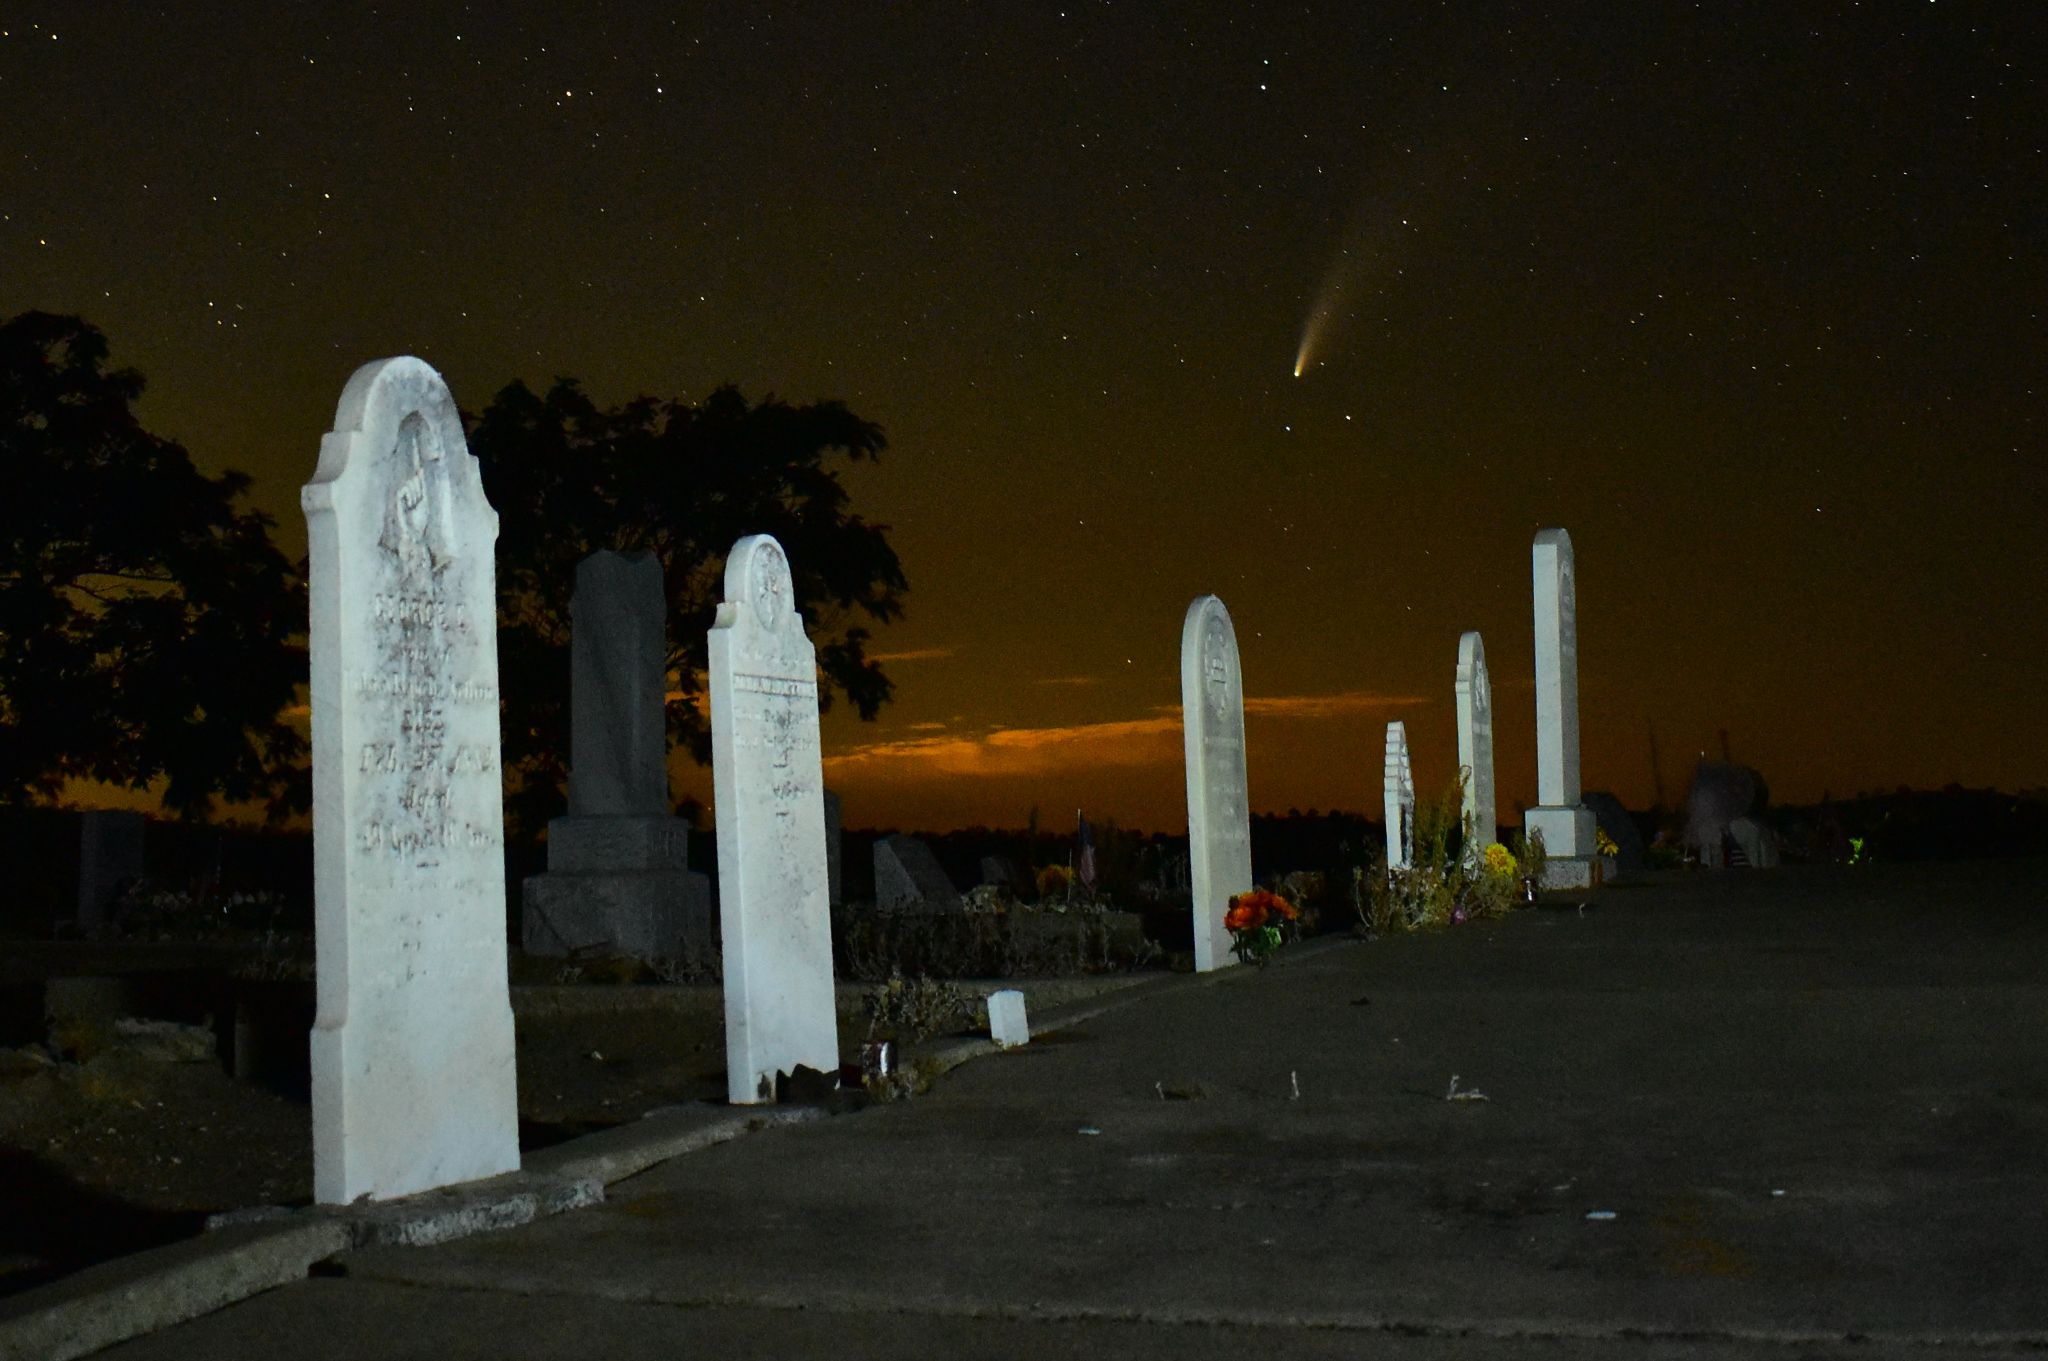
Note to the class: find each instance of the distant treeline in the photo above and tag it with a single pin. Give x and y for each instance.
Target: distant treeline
(40, 847)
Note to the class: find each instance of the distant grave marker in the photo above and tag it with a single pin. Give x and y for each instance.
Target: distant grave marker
(1565, 823)
(110, 860)
(774, 911)
(412, 1050)
(908, 875)
(834, 837)
(1219, 819)
(1475, 745)
(618, 875)
(1398, 788)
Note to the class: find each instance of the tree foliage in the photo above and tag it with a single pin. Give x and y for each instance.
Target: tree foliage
(684, 482)
(148, 625)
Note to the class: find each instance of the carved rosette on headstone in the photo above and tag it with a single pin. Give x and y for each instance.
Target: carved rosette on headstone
(412, 1051)
(1565, 824)
(1398, 786)
(768, 779)
(1475, 746)
(1219, 817)
(618, 877)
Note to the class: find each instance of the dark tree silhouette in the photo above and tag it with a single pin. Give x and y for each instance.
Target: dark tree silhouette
(148, 625)
(685, 483)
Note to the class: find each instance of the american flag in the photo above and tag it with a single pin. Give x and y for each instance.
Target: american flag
(1084, 853)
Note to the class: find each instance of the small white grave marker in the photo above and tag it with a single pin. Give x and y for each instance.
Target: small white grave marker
(412, 1051)
(1219, 817)
(768, 782)
(1006, 1023)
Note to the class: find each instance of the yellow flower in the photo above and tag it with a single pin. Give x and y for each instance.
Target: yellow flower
(1053, 880)
(1604, 843)
(1499, 859)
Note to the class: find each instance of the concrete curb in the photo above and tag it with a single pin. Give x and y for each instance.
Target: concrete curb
(951, 1053)
(251, 1252)
(118, 1300)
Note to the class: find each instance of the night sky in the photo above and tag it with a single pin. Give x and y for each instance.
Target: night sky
(1748, 297)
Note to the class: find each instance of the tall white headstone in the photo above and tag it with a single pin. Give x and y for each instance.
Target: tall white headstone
(1219, 817)
(414, 1084)
(1398, 786)
(1566, 824)
(769, 784)
(1475, 745)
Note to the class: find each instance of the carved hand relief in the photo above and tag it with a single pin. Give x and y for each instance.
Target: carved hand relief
(413, 532)
(1216, 667)
(771, 585)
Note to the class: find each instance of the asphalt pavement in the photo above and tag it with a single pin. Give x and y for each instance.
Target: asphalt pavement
(1800, 1112)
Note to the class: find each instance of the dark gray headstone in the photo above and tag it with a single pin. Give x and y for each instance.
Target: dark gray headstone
(835, 884)
(1720, 794)
(618, 732)
(109, 860)
(1003, 872)
(1621, 829)
(907, 874)
(618, 878)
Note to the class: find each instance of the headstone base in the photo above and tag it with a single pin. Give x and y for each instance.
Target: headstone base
(613, 842)
(1571, 871)
(1568, 832)
(1568, 844)
(642, 914)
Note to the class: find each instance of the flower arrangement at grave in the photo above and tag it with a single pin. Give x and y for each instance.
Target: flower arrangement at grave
(985, 899)
(1259, 923)
(1440, 888)
(1305, 889)
(1055, 882)
(1604, 854)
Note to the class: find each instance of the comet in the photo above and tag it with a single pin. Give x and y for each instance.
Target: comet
(1320, 315)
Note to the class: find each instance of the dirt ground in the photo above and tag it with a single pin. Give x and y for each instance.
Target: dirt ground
(116, 1147)
(119, 1135)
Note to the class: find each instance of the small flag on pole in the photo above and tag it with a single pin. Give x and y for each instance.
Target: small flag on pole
(1084, 853)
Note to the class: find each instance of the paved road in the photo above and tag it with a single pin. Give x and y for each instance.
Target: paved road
(1814, 1103)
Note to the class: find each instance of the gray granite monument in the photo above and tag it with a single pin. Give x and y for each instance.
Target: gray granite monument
(618, 878)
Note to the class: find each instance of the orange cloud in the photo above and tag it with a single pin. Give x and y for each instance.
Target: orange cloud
(1340, 705)
(1020, 751)
(916, 654)
(1068, 680)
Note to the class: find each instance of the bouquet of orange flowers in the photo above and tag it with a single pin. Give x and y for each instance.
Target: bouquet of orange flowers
(1258, 923)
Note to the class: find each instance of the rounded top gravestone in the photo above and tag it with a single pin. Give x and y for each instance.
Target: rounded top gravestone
(1474, 697)
(412, 1048)
(768, 787)
(1219, 823)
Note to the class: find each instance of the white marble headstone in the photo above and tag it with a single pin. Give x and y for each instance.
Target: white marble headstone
(1219, 817)
(1475, 745)
(1565, 824)
(768, 781)
(1398, 786)
(414, 1084)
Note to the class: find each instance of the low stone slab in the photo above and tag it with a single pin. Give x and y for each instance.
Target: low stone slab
(1006, 1023)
